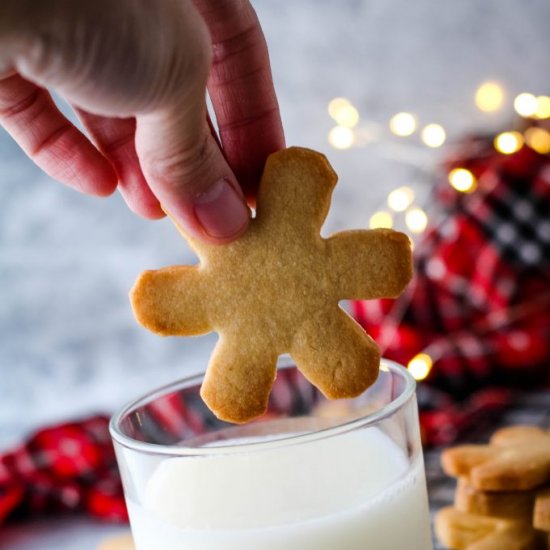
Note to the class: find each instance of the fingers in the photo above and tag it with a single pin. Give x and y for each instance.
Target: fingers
(156, 72)
(115, 138)
(30, 116)
(241, 89)
(188, 173)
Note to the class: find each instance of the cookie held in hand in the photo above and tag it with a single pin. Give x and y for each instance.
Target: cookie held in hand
(276, 290)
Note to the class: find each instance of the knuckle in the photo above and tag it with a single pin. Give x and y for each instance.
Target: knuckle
(179, 170)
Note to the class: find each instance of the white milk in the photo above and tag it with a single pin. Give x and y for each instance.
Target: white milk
(351, 492)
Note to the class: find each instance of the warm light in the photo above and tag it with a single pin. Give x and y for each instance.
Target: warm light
(347, 115)
(489, 97)
(543, 107)
(420, 366)
(341, 137)
(381, 219)
(433, 135)
(416, 220)
(400, 199)
(508, 142)
(525, 105)
(538, 139)
(462, 180)
(403, 124)
(336, 105)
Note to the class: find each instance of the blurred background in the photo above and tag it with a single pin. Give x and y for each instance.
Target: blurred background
(69, 345)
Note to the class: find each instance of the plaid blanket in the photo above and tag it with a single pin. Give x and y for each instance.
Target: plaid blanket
(479, 305)
(66, 468)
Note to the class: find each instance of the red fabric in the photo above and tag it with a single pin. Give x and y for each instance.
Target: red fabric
(69, 468)
(479, 304)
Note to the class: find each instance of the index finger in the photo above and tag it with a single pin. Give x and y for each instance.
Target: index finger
(241, 89)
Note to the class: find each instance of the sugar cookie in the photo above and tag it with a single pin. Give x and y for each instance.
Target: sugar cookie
(276, 290)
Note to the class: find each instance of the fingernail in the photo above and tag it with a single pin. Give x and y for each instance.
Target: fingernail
(221, 211)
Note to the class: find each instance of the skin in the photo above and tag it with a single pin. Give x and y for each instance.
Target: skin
(136, 73)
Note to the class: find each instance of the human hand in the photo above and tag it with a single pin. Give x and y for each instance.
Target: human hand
(136, 73)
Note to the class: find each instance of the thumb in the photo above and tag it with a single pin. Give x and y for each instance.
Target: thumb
(186, 170)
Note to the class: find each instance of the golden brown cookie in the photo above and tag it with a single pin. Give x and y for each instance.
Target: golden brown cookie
(120, 542)
(501, 504)
(464, 531)
(541, 515)
(516, 459)
(276, 290)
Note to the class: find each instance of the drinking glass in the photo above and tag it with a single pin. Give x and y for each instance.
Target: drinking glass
(311, 474)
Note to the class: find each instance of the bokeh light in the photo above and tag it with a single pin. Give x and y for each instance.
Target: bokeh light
(538, 139)
(433, 135)
(400, 199)
(336, 104)
(489, 97)
(347, 115)
(525, 105)
(403, 124)
(381, 219)
(416, 220)
(508, 142)
(341, 137)
(420, 366)
(543, 107)
(462, 180)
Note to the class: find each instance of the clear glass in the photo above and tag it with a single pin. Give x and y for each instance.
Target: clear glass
(312, 474)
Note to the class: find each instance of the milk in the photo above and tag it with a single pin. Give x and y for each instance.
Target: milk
(355, 491)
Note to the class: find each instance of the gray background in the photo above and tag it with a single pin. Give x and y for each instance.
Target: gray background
(69, 345)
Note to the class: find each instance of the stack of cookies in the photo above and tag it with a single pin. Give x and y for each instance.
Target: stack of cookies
(502, 499)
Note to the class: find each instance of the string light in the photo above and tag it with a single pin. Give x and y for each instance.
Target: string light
(433, 135)
(400, 199)
(416, 220)
(336, 105)
(381, 219)
(525, 105)
(508, 142)
(420, 366)
(543, 107)
(462, 180)
(538, 139)
(403, 124)
(489, 97)
(341, 137)
(347, 115)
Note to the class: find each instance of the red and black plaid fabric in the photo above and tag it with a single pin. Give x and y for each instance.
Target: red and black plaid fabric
(479, 304)
(68, 468)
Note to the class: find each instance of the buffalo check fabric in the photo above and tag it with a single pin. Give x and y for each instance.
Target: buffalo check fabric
(65, 468)
(479, 304)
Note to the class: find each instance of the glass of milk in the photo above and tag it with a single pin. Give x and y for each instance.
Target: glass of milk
(312, 474)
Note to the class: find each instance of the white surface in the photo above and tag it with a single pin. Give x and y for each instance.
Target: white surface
(68, 343)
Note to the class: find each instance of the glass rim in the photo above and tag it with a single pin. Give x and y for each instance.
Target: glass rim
(313, 435)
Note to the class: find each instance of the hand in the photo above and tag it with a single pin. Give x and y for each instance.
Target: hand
(136, 73)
